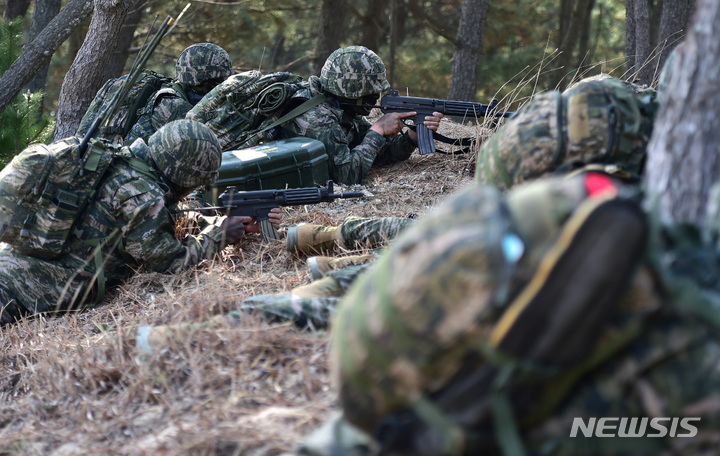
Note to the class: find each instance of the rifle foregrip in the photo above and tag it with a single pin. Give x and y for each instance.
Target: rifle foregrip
(426, 144)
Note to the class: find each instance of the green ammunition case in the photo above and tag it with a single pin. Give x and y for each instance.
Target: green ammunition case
(286, 163)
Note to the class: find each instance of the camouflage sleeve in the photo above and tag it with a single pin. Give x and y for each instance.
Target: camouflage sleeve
(169, 108)
(398, 149)
(149, 236)
(352, 147)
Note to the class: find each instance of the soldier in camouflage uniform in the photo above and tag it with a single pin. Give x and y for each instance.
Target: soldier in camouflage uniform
(354, 75)
(131, 224)
(462, 340)
(600, 122)
(199, 68)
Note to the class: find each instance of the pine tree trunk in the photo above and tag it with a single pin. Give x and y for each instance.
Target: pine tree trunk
(374, 24)
(630, 49)
(38, 53)
(44, 12)
(88, 69)
(116, 66)
(643, 68)
(683, 160)
(463, 78)
(674, 20)
(331, 32)
(15, 8)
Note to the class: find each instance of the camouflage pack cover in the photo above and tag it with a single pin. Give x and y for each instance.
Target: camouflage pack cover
(528, 145)
(187, 153)
(117, 128)
(411, 323)
(242, 105)
(597, 120)
(353, 72)
(609, 121)
(43, 191)
(201, 62)
(167, 104)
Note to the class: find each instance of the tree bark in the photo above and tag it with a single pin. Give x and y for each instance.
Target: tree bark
(86, 73)
(15, 8)
(683, 161)
(643, 67)
(463, 77)
(44, 12)
(673, 23)
(583, 54)
(630, 49)
(373, 25)
(38, 52)
(116, 66)
(569, 43)
(331, 32)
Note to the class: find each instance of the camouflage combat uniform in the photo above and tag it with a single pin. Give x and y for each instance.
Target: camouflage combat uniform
(598, 121)
(136, 207)
(412, 342)
(350, 73)
(317, 311)
(198, 69)
(167, 104)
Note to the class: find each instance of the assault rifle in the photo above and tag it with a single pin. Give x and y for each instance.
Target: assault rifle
(394, 102)
(258, 203)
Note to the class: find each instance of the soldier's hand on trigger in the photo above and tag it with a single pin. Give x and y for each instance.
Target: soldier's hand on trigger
(391, 124)
(275, 217)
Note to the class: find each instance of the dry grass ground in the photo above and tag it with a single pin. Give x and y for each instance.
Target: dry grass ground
(75, 384)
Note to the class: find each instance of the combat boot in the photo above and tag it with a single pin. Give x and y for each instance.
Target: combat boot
(321, 265)
(314, 239)
(324, 288)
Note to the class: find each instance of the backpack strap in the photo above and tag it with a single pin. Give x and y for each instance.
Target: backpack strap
(301, 109)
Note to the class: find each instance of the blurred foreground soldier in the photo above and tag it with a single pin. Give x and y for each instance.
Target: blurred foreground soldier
(354, 75)
(538, 322)
(199, 68)
(598, 123)
(126, 226)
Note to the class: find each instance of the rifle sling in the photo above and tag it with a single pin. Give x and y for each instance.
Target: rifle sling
(301, 109)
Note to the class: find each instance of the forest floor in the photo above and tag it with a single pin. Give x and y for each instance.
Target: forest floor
(76, 384)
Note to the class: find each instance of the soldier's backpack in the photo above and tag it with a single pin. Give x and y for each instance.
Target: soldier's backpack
(599, 120)
(116, 128)
(463, 327)
(45, 189)
(245, 109)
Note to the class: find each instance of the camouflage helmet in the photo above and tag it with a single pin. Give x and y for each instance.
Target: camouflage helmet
(202, 62)
(354, 72)
(187, 153)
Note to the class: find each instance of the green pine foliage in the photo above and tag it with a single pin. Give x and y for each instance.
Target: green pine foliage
(22, 122)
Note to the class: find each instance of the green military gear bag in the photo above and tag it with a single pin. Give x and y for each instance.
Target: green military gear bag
(45, 189)
(286, 163)
(484, 315)
(245, 109)
(119, 126)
